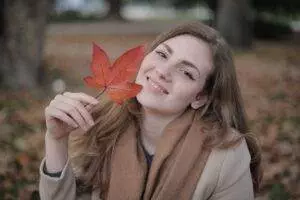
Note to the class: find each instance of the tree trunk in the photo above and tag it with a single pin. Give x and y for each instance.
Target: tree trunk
(21, 41)
(235, 21)
(114, 10)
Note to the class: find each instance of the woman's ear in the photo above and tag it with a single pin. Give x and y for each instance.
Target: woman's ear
(201, 99)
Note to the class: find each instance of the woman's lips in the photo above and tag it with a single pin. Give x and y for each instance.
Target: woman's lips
(157, 86)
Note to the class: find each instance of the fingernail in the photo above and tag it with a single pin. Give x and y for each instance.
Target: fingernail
(91, 122)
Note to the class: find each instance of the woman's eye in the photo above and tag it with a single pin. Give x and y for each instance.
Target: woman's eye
(189, 75)
(161, 54)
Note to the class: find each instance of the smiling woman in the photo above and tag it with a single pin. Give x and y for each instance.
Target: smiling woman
(170, 73)
(184, 136)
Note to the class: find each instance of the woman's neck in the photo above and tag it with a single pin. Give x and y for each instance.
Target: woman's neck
(152, 126)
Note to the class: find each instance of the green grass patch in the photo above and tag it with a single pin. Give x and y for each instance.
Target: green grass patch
(278, 192)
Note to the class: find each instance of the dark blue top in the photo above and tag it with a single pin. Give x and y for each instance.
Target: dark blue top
(148, 156)
(149, 159)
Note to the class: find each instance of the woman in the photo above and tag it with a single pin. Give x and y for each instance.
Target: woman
(184, 136)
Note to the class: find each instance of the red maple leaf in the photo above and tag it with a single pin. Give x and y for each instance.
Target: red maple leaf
(115, 79)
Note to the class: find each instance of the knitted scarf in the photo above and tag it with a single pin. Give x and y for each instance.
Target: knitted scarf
(176, 167)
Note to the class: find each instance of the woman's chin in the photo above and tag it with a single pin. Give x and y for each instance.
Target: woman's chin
(156, 106)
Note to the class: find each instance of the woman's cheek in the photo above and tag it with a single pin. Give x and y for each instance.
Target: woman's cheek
(187, 92)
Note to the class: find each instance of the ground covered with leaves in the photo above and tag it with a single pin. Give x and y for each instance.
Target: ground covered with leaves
(269, 77)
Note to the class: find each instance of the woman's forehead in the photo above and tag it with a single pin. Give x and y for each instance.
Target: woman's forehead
(186, 39)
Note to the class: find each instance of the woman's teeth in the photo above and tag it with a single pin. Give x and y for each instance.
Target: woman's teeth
(156, 86)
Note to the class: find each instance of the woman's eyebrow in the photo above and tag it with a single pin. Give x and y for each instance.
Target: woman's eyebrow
(169, 49)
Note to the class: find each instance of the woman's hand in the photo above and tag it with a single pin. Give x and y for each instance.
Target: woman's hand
(67, 112)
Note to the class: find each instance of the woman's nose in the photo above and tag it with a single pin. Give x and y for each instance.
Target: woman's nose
(164, 72)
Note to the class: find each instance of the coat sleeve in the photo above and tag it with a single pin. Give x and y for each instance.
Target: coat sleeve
(234, 181)
(57, 188)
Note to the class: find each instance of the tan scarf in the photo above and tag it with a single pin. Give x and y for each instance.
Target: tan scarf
(176, 167)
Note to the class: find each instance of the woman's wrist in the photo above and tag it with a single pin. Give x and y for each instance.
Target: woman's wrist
(51, 136)
(56, 153)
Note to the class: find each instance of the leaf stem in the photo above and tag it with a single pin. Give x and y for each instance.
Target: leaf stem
(96, 97)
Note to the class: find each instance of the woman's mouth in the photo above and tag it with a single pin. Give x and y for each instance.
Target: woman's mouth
(156, 86)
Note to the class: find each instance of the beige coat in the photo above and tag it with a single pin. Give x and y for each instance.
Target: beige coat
(226, 176)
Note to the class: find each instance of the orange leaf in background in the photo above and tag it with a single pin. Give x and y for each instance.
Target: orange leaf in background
(23, 159)
(115, 79)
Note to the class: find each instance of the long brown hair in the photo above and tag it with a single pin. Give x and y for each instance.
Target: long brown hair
(223, 110)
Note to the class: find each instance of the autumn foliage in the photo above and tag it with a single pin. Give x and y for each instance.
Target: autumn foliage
(116, 79)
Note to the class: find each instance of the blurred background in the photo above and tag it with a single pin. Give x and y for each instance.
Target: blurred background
(45, 48)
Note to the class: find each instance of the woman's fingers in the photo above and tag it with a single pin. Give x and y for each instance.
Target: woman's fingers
(71, 111)
(81, 97)
(82, 110)
(89, 106)
(70, 106)
(54, 112)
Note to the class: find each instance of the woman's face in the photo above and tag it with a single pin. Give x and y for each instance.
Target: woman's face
(173, 75)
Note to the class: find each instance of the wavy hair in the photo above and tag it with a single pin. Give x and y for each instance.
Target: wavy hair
(91, 153)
